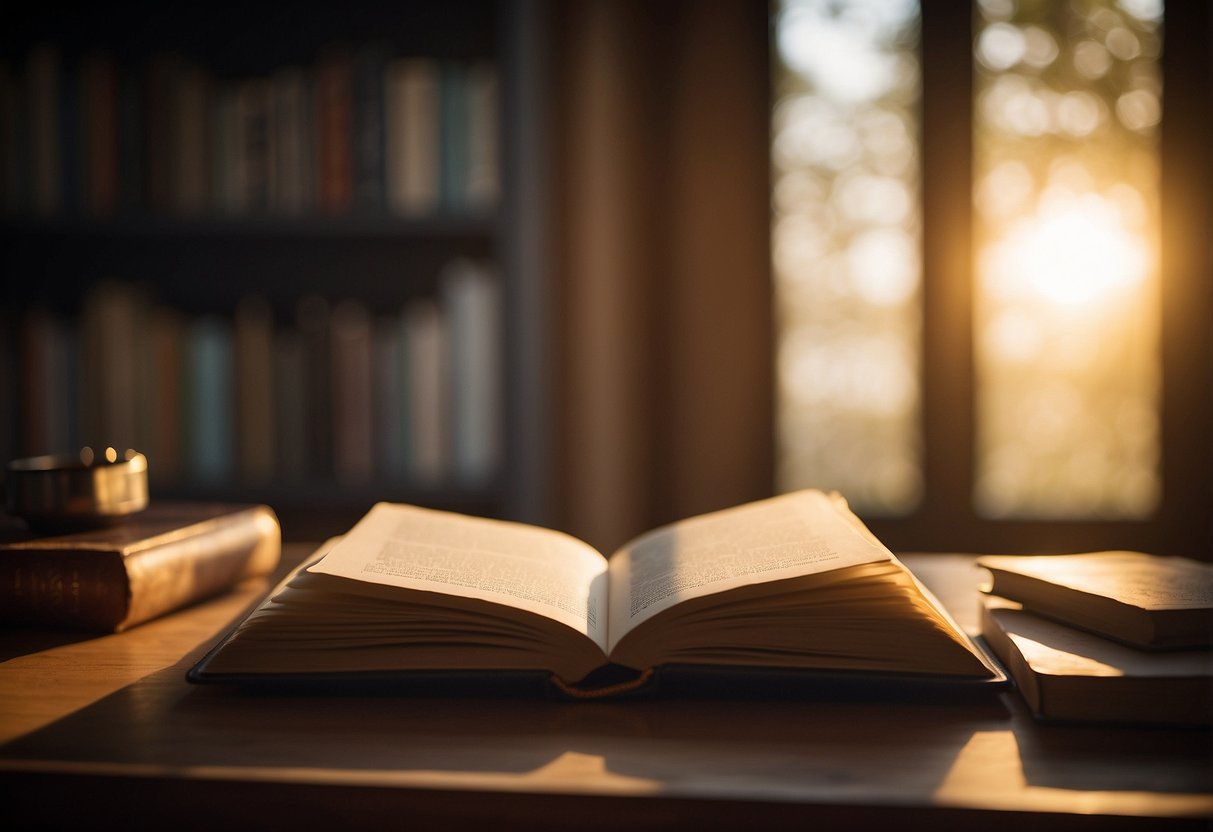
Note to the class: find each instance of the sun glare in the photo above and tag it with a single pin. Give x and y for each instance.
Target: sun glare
(1077, 253)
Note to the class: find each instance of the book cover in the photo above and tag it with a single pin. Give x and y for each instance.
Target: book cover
(168, 556)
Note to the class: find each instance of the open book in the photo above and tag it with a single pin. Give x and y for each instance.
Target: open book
(792, 582)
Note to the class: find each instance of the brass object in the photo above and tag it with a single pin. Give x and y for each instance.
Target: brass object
(62, 492)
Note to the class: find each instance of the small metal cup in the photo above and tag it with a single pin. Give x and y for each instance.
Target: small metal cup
(62, 492)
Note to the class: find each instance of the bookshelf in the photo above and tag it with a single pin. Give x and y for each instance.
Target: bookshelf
(182, 278)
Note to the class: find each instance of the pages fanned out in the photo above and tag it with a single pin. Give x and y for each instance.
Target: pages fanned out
(791, 583)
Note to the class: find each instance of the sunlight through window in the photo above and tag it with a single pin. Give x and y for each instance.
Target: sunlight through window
(1066, 302)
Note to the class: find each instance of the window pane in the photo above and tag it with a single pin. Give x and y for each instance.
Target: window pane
(1066, 303)
(846, 249)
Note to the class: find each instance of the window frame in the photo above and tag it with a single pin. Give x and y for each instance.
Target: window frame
(946, 517)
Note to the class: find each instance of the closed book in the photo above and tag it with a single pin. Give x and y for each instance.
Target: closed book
(1140, 599)
(1067, 674)
(110, 579)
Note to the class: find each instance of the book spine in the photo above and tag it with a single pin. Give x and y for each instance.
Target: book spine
(335, 133)
(256, 164)
(210, 404)
(413, 143)
(353, 431)
(254, 357)
(191, 191)
(470, 301)
(166, 333)
(290, 128)
(131, 137)
(453, 132)
(369, 176)
(82, 590)
(43, 96)
(483, 169)
(201, 561)
(427, 346)
(99, 83)
(390, 395)
(290, 399)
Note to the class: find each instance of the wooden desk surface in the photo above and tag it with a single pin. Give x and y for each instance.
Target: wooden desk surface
(106, 730)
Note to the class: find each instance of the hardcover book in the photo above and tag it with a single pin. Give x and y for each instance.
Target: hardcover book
(788, 584)
(110, 579)
(1143, 600)
(1072, 675)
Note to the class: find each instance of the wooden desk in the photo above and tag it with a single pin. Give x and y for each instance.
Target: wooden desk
(104, 731)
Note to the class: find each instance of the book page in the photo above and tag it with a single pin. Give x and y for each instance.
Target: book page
(796, 534)
(513, 564)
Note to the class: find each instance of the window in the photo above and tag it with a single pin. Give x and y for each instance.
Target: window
(984, 338)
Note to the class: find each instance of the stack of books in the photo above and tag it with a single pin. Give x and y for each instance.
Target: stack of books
(1105, 636)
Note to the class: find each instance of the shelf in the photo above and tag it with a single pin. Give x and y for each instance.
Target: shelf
(296, 229)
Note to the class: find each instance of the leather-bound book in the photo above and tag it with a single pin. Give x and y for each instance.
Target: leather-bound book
(168, 556)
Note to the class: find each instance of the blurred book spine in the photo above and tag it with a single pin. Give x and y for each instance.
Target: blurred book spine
(359, 131)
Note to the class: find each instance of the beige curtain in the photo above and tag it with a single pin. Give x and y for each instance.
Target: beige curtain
(664, 395)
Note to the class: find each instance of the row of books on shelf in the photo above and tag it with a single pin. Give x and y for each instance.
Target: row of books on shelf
(342, 392)
(359, 132)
